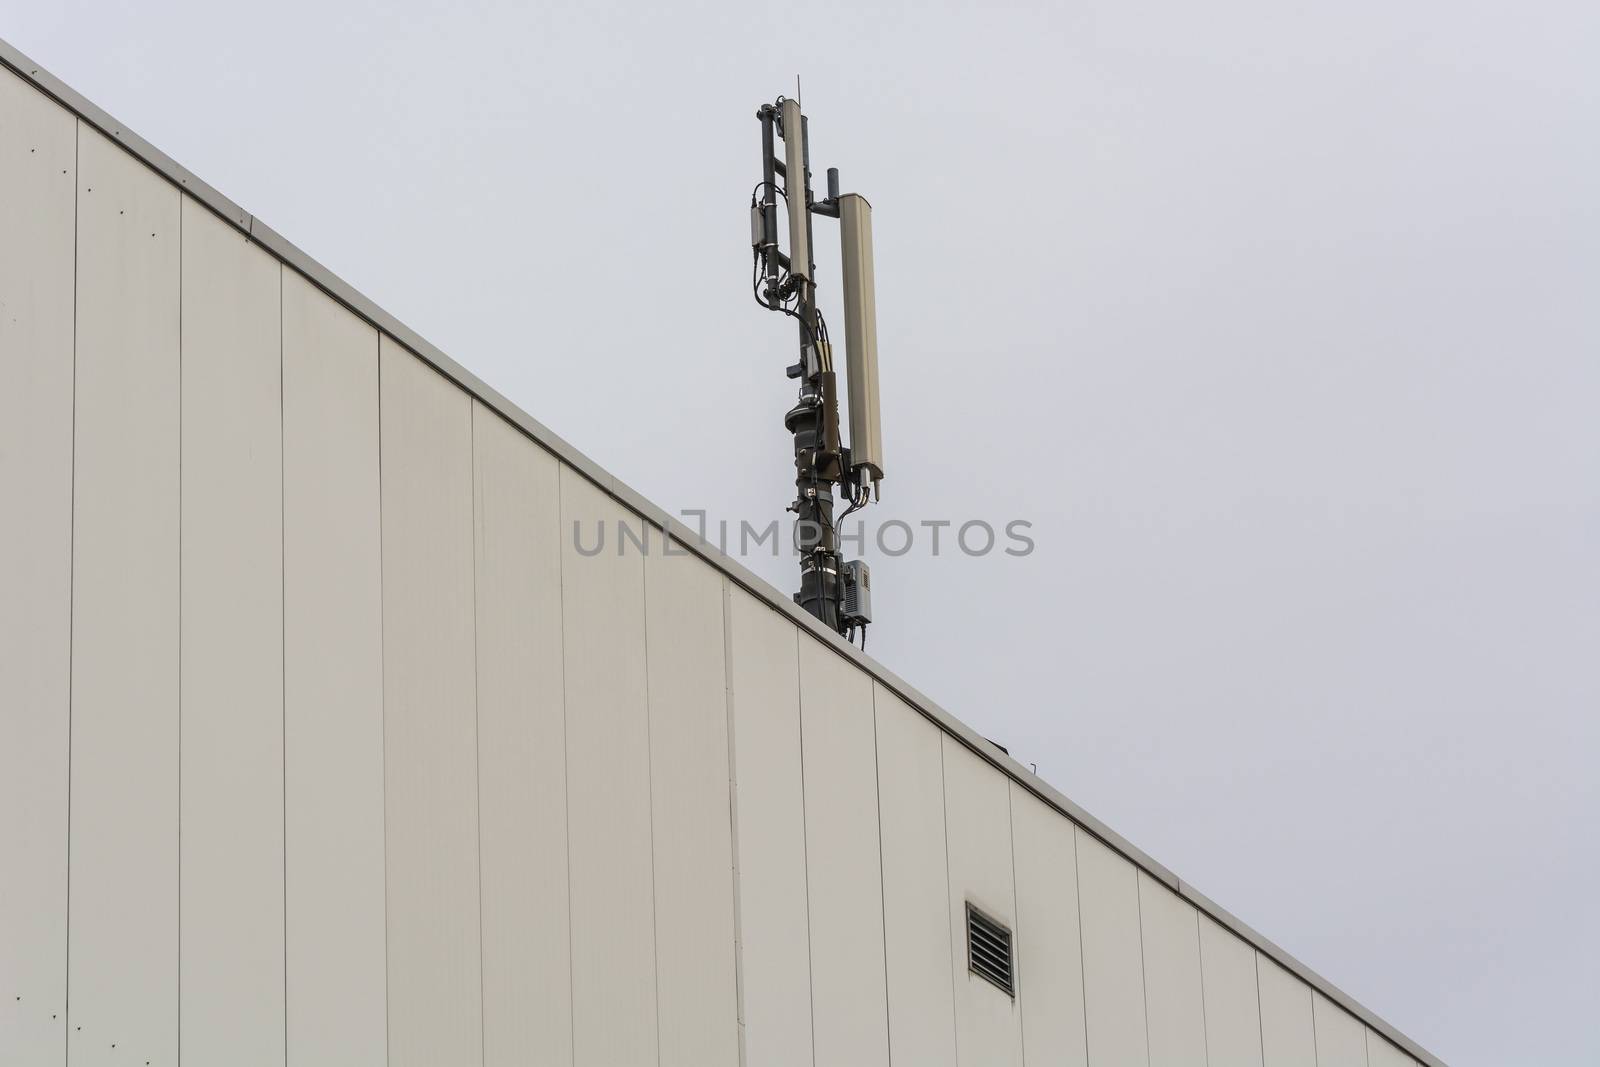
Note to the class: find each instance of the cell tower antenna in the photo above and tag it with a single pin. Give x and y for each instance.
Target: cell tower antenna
(837, 592)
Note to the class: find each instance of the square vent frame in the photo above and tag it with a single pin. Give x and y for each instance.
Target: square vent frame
(991, 950)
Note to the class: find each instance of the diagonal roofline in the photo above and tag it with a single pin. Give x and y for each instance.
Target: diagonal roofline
(286, 252)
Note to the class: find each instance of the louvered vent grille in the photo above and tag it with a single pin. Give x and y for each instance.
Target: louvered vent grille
(989, 951)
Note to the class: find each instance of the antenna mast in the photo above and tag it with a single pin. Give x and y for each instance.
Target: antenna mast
(836, 592)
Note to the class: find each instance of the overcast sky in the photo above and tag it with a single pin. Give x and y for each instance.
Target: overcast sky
(1279, 322)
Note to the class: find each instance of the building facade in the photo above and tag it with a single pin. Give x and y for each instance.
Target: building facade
(324, 741)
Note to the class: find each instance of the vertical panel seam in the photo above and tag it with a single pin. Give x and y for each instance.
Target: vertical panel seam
(1316, 1046)
(561, 662)
(179, 1035)
(1144, 977)
(566, 767)
(477, 741)
(883, 903)
(383, 682)
(1083, 966)
(733, 818)
(1261, 1022)
(949, 897)
(72, 595)
(283, 669)
(731, 929)
(805, 843)
(1016, 911)
(1200, 959)
(650, 773)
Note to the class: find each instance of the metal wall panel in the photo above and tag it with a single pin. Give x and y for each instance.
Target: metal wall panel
(977, 812)
(843, 864)
(335, 979)
(430, 736)
(774, 957)
(231, 620)
(122, 983)
(522, 778)
(1173, 999)
(1287, 1035)
(1049, 946)
(1113, 980)
(698, 1001)
(1341, 1037)
(38, 168)
(608, 782)
(1233, 1008)
(1382, 1054)
(916, 894)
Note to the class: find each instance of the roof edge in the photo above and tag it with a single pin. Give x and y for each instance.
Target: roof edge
(340, 290)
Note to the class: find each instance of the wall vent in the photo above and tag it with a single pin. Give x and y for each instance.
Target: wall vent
(989, 951)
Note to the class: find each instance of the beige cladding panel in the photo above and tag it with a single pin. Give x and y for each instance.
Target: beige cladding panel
(1288, 1034)
(430, 717)
(1232, 1005)
(333, 686)
(122, 982)
(916, 899)
(522, 782)
(1113, 980)
(774, 957)
(843, 861)
(1174, 1000)
(694, 912)
(608, 781)
(231, 721)
(38, 164)
(1341, 1039)
(977, 812)
(1049, 944)
(1380, 1053)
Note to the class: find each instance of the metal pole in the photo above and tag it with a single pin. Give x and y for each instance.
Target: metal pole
(815, 425)
(814, 419)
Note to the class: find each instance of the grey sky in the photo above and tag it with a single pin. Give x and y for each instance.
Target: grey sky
(1277, 321)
